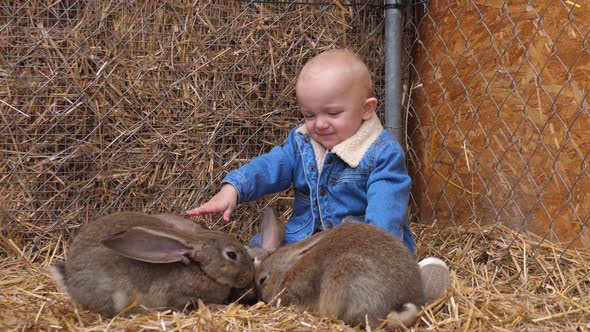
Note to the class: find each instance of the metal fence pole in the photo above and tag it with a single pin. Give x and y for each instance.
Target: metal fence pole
(393, 39)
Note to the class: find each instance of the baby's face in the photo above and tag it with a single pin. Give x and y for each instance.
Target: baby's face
(333, 107)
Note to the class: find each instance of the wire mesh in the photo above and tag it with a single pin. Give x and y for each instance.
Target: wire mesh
(497, 116)
(127, 105)
(147, 105)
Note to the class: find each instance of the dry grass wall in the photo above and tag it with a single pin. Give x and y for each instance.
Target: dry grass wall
(146, 105)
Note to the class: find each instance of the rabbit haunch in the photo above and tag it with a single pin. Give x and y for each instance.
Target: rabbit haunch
(355, 272)
(151, 260)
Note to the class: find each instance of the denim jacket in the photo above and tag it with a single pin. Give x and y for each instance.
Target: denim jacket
(362, 179)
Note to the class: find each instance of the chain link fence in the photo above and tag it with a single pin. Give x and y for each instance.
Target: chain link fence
(121, 105)
(127, 105)
(498, 112)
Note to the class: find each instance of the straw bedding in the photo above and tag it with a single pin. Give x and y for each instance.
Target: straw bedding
(500, 281)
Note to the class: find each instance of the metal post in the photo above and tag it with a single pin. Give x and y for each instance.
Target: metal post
(393, 91)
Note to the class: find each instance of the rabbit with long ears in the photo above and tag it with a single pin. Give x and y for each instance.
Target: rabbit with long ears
(151, 260)
(355, 272)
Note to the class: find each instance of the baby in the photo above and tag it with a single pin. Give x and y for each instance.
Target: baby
(341, 162)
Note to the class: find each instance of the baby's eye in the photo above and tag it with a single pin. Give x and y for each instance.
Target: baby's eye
(333, 114)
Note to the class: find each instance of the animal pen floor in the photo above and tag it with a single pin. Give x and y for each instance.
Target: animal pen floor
(500, 281)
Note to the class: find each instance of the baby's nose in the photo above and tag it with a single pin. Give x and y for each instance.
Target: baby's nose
(321, 123)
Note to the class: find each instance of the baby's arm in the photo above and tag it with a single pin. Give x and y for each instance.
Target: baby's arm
(388, 193)
(224, 201)
(268, 173)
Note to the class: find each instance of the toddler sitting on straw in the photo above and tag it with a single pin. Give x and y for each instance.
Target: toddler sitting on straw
(342, 164)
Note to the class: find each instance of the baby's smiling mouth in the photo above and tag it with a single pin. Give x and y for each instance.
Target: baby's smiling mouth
(324, 134)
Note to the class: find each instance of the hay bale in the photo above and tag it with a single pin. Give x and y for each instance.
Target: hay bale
(125, 105)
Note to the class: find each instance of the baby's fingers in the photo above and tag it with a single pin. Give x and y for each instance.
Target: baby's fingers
(227, 214)
(201, 210)
(194, 212)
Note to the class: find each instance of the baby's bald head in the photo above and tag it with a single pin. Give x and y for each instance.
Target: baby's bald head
(334, 91)
(344, 66)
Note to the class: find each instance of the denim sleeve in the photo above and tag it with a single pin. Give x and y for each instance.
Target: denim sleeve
(388, 193)
(268, 173)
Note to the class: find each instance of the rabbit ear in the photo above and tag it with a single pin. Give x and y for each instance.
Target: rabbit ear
(150, 246)
(182, 224)
(273, 231)
(297, 251)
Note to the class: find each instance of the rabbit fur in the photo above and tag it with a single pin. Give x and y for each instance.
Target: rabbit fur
(435, 278)
(152, 260)
(355, 272)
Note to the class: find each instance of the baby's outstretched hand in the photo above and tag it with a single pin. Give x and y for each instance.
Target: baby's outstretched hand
(224, 201)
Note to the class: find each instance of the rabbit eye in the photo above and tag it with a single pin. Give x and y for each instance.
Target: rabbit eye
(231, 255)
(261, 281)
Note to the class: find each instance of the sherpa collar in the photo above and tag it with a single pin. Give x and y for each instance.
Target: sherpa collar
(353, 149)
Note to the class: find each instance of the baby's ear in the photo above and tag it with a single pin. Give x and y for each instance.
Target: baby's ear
(369, 108)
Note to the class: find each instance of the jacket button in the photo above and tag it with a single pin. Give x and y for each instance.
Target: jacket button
(329, 160)
(312, 168)
(323, 192)
(329, 225)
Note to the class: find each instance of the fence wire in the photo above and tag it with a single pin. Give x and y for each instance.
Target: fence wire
(498, 108)
(119, 105)
(126, 105)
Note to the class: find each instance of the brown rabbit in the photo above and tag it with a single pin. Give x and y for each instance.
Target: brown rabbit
(248, 295)
(355, 272)
(152, 260)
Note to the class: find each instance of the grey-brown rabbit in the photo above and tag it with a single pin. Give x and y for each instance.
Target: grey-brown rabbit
(355, 272)
(151, 260)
